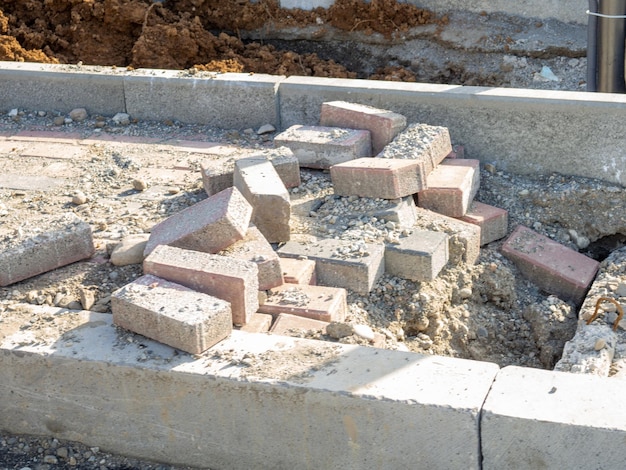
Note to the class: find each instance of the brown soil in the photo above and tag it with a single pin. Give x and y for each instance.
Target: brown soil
(181, 34)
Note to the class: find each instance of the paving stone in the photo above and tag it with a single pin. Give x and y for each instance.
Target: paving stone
(217, 174)
(316, 302)
(229, 279)
(449, 190)
(256, 249)
(258, 323)
(428, 145)
(49, 243)
(383, 125)
(298, 271)
(400, 211)
(171, 314)
(350, 265)
(260, 184)
(209, 225)
(287, 324)
(30, 182)
(467, 162)
(53, 150)
(322, 147)
(464, 238)
(385, 178)
(417, 257)
(553, 267)
(48, 136)
(493, 221)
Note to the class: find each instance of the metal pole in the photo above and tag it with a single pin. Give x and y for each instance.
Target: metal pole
(592, 44)
(611, 46)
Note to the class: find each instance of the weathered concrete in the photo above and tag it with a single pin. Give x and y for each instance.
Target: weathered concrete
(541, 419)
(341, 406)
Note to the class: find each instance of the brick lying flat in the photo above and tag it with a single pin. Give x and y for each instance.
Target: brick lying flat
(47, 243)
(316, 302)
(401, 211)
(171, 314)
(385, 178)
(449, 190)
(493, 221)
(260, 184)
(298, 271)
(427, 145)
(383, 125)
(418, 257)
(229, 279)
(467, 162)
(209, 225)
(553, 267)
(464, 238)
(258, 323)
(322, 147)
(217, 174)
(291, 325)
(352, 266)
(255, 248)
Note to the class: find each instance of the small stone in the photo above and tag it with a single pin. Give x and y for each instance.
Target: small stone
(87, 298)
(173, 190)
(121, 119)
(339, 330)
(600, 344)
(621, 289)
(465, 293)
(140, 185)
(50, 459)
(130, 250)
(363, 331)
(265, 129)
(62, 452)
(490, 167)
(78, 114)
(13, 112)
(79, 198)
(58, 121)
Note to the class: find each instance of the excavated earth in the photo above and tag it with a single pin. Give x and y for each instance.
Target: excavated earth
(488, 311)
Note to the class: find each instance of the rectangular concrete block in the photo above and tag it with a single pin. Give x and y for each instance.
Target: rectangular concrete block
(298, 271)
(493, 221)
(256, 249)
(229, 279)
(217, 174)
(383, 125)
(535, 418)
(463, 238)
(322, 147)
(277, 394)
(449, 190)
(258, 323)
(553, 267)
(353, 266)
(46, 243)
(385, 178)
(171, 314)
(317, 302)
(418, 257)
(427, 145)
(209, 225)
(260, 184)
(227, 101)
(287, 324)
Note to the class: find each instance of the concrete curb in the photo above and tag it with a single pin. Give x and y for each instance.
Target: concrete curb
(522, 131)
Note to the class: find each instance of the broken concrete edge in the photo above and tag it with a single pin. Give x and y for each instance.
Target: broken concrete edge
(519, 130)
(341, 405)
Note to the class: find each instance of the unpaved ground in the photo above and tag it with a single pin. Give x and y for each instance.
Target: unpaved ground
(381, 40)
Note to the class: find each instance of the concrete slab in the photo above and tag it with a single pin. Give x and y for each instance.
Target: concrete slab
(541, 419)
(316, 302)
(223, 100)
(339, 406)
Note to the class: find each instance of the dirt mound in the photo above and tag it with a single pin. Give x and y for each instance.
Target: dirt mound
(180, 34)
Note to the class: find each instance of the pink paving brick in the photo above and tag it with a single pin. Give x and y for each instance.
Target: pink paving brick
(48, 136)
(385, 178)
(229, 279)
(316, 302)
(55, 241)
(258, 181)
(298, 271)
(258, 323)
(294, 325)
(553, 267)
(449, 190)
(427, 145)
(171, 314)
(256, 249)
(470, 163)
(458, 151)
(209, 225)
(493, 221)
(53, 150)
(119, 140)
(383, 125)
(322, 147)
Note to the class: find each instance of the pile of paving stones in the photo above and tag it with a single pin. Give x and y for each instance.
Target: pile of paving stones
(402, 205)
